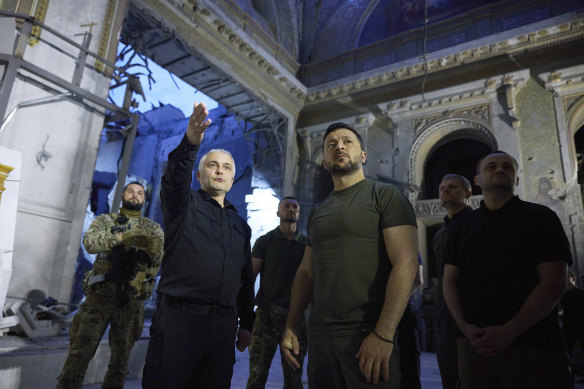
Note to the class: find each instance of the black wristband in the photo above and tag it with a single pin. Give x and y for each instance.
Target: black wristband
(382, 338)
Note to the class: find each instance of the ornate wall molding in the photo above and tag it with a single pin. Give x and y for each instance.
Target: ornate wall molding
(511, 89)
(467, 99)
(207, 17)
(482, 111)
(385, 76)
(564, 81)
(575, 114)
(425, 142)
(433, 208)
(192, 26)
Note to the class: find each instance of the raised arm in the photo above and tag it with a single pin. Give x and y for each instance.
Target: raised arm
(401, 243)
(176, 182)
(300, 297)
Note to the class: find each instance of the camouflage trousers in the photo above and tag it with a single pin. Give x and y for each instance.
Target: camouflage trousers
(268, 329)
(89, 324)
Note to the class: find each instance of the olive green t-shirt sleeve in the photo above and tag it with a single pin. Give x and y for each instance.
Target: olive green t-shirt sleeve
(394, 208)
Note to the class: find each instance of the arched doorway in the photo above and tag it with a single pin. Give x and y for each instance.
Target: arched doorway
(441, 133)
(451, 145)
(451, 155)
(579, 147)
(458, 156)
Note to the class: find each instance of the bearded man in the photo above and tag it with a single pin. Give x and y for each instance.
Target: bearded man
(129, 248)
(358, 270)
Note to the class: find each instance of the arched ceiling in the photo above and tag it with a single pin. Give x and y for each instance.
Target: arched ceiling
(331, 27)
(294, 54)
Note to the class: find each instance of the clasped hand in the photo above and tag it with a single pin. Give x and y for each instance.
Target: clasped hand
(141, 240)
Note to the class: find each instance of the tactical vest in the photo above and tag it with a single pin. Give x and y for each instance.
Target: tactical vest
(141, 283)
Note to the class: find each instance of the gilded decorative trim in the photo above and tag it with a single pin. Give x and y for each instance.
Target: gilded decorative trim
(563, 81)
(4, 170)
(106, 32)
(40, 15)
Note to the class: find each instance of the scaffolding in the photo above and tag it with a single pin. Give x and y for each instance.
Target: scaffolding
(16, 67)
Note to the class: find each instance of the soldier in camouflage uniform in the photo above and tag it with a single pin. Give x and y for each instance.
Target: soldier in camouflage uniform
(276, 256)
(129, 249)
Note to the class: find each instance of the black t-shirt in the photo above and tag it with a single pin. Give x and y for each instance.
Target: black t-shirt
(572, 303)
(497, 253)
(281, 258)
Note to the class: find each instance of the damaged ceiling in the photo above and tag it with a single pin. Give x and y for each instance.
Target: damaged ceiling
(148, 36)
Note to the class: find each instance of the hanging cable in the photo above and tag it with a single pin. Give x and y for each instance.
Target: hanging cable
(424, 49)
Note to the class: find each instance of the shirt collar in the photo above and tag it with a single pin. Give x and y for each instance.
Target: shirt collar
(280, 235)
(509, 205)
(226, 203)
(457, 214)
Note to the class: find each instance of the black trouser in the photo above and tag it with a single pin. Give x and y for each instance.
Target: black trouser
(191, 346)
(514, 367)
(446, 349)
(409, 350)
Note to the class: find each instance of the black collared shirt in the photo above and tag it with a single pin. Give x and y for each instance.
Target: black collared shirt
(497, 253)
(447, 328)
(439, 243)
(207, 257)
(281, 258)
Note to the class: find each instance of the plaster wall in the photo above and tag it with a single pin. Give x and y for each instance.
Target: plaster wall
(539, 144)
(58, 141)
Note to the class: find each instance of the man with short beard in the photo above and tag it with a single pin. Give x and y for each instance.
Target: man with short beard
(506, 269)
(454, 192)
(276, 257)
(129, 248)
(358, 270)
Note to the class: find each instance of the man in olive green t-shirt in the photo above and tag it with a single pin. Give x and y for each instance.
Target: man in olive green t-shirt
(358, 270)
(276, 257)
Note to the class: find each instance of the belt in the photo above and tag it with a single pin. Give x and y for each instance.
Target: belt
(279, 310)
(196, 308)
(273, 309)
